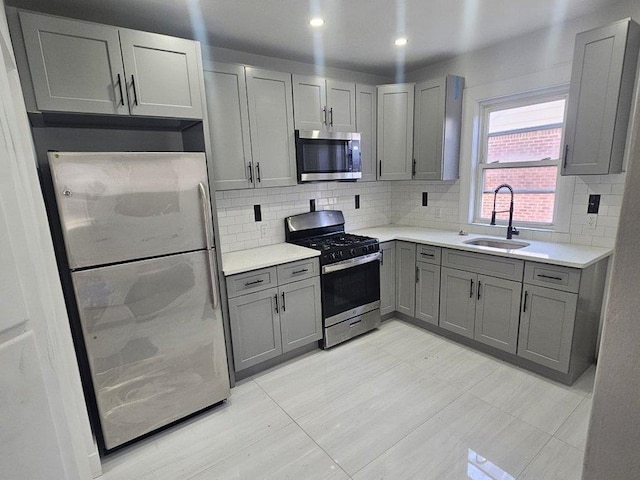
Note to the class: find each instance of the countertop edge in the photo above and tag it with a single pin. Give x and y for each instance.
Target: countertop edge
(300, 253)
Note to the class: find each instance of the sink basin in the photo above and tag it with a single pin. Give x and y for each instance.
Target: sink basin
(497, 243)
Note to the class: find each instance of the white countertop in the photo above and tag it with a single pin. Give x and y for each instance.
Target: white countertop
(262, 257)
(564, 254)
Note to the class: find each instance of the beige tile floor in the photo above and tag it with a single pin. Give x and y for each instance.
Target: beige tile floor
(398, 403)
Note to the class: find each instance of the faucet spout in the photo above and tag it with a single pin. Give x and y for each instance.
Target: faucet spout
(511, 230)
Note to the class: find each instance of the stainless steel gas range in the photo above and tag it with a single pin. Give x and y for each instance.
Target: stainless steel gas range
(350, 275)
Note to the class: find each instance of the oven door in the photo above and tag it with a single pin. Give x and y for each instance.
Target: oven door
(350, 288)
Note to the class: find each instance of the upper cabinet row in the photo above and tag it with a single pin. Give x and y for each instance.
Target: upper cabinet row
(83, 67)
(324, 104)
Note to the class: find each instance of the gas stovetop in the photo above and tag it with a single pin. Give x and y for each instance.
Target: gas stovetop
(339, 246)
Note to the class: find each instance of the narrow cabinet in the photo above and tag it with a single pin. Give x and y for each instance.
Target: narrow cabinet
(300, 313)
(457, 301)
(387, 277)
(427, 292)
(599, 106)
(395, 131)
(366, 101)
(437, 126)
(406, 276)
(271, 124)
(324, 104)
(228, 113)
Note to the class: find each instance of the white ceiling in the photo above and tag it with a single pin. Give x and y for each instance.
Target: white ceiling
(358, 34)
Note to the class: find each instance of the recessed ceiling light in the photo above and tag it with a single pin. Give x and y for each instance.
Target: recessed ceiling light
(401, 41)
(316, 22)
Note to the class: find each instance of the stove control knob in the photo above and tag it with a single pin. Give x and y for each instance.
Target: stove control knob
(332, 256)
(353, 252)
(340, 253)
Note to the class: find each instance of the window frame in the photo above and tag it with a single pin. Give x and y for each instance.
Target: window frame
(504, 103)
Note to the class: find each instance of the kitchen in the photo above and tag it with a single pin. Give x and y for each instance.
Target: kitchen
(400, 202)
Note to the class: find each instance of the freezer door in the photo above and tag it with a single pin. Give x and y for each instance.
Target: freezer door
(117, 207)
(154, 342)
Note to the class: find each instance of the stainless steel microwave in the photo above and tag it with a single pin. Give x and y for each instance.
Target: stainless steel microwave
(325, 156)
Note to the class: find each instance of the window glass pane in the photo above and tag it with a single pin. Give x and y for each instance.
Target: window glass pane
(528, 133)
(534, 189)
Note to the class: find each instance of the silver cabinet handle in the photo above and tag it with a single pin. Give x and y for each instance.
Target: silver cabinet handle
(324, 112)
(250, 174)
(258, 172)
(295, 272)
(331, 116)
(206, 217)
(479, 287)
(120, 88)
(253, 283)
(135, 94)
(427, 254)
(284, 307)
(471, 289)
(275, 299)
(524, 306)
(551, 277)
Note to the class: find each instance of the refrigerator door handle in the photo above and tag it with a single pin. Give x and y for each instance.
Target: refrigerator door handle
(206, 217)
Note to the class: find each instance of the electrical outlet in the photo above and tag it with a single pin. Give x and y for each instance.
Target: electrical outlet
(592, 220)
(438, 213)
(263, 230)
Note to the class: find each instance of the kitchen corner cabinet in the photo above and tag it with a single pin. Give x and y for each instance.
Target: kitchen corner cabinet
(274, 311)
(387, 277)
(598, 111)
(324, 104)
(406, 277)
(437, 125)
(270, 104)
(366, 111)
(84, 67)
(395, 131)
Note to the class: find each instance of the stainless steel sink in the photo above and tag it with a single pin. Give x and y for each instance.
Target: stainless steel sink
(497, 243)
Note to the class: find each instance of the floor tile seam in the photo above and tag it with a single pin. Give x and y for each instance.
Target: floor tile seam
(306, 433)
(540, 452)
(407, 434)
(466, 390)
(580, 449)
(568, 416)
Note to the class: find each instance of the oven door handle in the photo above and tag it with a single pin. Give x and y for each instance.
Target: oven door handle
(352, 262)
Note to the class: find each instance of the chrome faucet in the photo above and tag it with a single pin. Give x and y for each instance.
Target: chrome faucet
(511, 230)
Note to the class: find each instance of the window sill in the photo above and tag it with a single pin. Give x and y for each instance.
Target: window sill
(547, 229)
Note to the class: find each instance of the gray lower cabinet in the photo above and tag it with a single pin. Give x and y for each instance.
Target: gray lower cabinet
(457, 301)
(406, 277)
(300, 313)
(547, 325)
(387, 277)
(255, 328)
(84, 67)
(427, 292)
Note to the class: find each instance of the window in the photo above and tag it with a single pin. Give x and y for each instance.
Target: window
(522, 147)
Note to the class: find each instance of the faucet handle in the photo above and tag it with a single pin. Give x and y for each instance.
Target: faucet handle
(515, 231)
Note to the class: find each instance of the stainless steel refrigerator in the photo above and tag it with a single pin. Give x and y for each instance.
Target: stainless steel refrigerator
(138, 235)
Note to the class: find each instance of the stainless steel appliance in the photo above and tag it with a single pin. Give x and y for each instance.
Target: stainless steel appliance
(350, 274)
(137, 230)
(324, 156)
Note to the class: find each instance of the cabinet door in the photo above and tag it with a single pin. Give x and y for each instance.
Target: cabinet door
(163, 75)
(438, 117)
(428, 292)
(300, 313)
(602, 77)
(255, 328)
(75, 66)
(366, 125)
(271, 127)
(406, 277)
(395, 131)
(498, 312)
(458, 301)
(546, 327)
(387, 278)
(310, 102)
(226, 95)
(341, 102)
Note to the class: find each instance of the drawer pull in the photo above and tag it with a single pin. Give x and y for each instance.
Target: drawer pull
(295, 272)
(357, 322)
(551, 277)
(253, 283)
(427, 254)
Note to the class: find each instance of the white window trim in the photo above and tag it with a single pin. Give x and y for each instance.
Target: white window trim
(558, 76)
(513, 101)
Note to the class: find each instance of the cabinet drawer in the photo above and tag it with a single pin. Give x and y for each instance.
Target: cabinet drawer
(509, 268)
(250, 282)
(552, 276)
(429, 254)
(294, 271)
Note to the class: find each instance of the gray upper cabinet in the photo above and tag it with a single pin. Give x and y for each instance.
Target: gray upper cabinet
(457, 301)
(427, 292)
(270, 102)
(323, 104)
(387, 277)
(497, 312)
(546, 327)
(406, 277)
(163, 75)
(228, 113)
(300, 313)
(602, 81)
(395, 131)
(366, 125)
(437, 125)
(91, 68)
